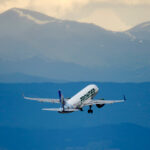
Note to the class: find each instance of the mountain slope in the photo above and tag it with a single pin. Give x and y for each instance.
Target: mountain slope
(141, 31)
(104, 55)
(23, 78)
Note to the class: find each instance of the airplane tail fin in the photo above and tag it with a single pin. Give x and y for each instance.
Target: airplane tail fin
(61, 98)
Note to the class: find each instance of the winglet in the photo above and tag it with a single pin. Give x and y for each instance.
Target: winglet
(124, 98)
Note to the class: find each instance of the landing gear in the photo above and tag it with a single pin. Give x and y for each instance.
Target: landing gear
(81, 109)
(90, 110)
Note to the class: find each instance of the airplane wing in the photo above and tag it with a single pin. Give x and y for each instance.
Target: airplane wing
(101, 102)
(43, 100)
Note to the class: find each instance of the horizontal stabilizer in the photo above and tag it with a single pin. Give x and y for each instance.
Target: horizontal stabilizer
(60, 109)
(52, 109)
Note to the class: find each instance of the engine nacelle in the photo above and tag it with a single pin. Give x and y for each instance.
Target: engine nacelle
(100, 105)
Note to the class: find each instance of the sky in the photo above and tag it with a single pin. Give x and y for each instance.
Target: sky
(118, 15)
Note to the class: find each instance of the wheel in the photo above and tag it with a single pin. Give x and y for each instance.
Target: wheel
(90, 111)
(81, 109)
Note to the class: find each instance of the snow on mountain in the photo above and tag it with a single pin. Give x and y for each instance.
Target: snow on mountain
(114, 56)
(21, 14)
(141, 31)
(141, 27)
(37, 17)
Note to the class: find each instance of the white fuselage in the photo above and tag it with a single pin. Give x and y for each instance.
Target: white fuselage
(85, 95)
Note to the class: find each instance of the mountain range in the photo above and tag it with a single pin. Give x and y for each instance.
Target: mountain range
(37, 45)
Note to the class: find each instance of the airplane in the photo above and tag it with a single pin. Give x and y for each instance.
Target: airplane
(78, 101)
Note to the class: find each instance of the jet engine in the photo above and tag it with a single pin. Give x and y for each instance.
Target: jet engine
(100, 105)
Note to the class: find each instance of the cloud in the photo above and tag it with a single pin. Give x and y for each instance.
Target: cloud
(31, 18)
(7, 4)
(126, 2)
(109, 14)
(57, 8)
(107, 19)
(64, 5)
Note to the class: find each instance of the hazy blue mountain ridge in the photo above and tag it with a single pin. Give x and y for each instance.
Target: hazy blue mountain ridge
(24, 78)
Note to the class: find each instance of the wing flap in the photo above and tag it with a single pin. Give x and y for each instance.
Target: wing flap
(71, 110)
